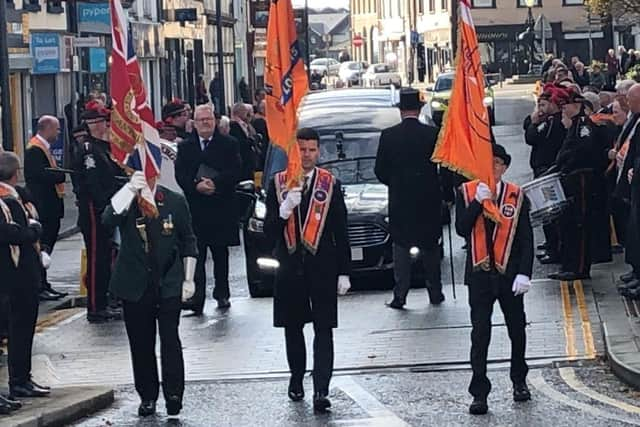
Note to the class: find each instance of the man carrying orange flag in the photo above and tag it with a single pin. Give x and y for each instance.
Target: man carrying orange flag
(286, 84)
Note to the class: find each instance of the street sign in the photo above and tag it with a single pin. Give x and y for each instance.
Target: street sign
(357, 41)
(86, 42)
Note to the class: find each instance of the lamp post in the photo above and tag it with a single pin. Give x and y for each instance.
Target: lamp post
(530, 23)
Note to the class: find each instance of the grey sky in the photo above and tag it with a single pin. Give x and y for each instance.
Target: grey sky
(317, 4)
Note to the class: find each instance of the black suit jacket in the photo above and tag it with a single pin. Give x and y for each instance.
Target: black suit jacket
(521, 259)
(622, 189)
(320, 271)
(416, 188)
(214, 217)
(545, 139)
(246, 151)
(27, 275)
(42, 184)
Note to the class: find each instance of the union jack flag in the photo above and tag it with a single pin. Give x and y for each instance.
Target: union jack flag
(135, 142)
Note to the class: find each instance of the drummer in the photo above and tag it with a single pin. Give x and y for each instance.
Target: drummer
(577, 160)
(545, 133)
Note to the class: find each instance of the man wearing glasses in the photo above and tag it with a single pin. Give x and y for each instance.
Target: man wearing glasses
(207, 169)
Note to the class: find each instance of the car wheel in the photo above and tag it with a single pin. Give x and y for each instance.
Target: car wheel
(258, 291)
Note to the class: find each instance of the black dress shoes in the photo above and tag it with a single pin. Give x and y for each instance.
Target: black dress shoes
(321, 402)
(568, 276)
(224, 303)
(147, 408)
(27, 389)
(5, 408)
(50, 289)
(548, 259)
(45, 295)
(625, 286)
(190, 304)
(521, 393)
(479, 406)
(633, 293)
(436, 298)
(395, 304)
(35, 384)
(296, 390)
(14, 405)
(101, 316)
(174, 405)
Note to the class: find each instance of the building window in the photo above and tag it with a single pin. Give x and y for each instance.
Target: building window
(54, 6)
(444, 5)
(432, 6)
(31, 5)
(484, 4)
(572, 2)
(523, 3)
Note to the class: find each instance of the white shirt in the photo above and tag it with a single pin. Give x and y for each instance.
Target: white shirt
(44, 141)
(202, 140)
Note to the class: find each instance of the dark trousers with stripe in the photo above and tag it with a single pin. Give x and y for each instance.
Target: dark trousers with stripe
(575, 224)
(98, 241)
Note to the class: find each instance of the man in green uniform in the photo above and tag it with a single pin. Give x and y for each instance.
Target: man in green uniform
(153, 275)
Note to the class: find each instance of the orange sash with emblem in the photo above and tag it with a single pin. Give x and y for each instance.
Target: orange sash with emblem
(35, 142)
(504, 231)
(30, 211)
(316, 215)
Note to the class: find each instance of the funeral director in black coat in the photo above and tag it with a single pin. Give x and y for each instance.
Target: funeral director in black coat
(309, 227)
(497, 268)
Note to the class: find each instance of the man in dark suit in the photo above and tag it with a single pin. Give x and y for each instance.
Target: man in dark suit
(207, 169)
(243, 133)
(153, 274)
(497, 268)
(47, 189)
(415, 198)
(21, 262)
(314, 265)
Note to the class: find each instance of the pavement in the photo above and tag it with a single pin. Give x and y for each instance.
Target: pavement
(393, 368)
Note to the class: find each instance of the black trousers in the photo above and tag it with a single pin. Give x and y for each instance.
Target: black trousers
(402, 271)
(220, 255)
(620, 213)
(611, 81)
(98, 241)
(483, 293)
(23, 314)
(142, 319)
(575, 224)
(322, 355)
(50, 230)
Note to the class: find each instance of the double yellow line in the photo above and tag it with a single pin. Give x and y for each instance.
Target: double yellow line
(567, 311)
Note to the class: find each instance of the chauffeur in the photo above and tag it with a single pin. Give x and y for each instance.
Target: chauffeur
(309, 227)
(153, 272)
(497, 268)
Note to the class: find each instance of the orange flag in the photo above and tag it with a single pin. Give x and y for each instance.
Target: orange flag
(464, 143)
(286, 83)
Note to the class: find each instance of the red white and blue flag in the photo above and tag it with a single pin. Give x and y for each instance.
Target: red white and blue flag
(135, 142)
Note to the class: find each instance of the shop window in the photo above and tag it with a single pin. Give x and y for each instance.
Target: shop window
(54, 6)
(11, 4)
(523, 3)
(484, 4)
(572, 2)
(32, 6)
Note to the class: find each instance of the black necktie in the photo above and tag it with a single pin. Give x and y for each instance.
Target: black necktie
(205, 143)
(305, 187)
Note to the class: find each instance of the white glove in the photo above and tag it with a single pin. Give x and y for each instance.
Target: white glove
(483, 192)
(188, 286)
(521, 285)
(46, 260)
(344, 284)
(293, 199)
(137, 181)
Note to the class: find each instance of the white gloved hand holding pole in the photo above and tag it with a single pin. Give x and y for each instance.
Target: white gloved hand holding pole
(293, 199)
(344, 284)
(483, 192)
(189, 286)
(521, 285)
(123, 198)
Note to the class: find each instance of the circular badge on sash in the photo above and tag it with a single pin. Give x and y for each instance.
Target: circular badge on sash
(320, 196)
(508, 211)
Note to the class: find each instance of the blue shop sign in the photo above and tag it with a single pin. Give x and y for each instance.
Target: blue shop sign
(97, 60)
(45, 50)
(94, 18)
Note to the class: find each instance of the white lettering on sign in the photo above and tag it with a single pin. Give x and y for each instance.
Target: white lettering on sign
(43, 53)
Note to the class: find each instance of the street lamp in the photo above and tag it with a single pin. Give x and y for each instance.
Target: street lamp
(530, 23)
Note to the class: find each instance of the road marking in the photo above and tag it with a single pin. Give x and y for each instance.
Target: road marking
(536, 379)
(569, 377)
(380, 414)
(567, 313)
(587, 333)
(55, 317)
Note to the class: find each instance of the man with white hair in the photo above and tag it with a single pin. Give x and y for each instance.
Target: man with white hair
(242, 131)
(224, 125)
(613, 68)
(208, 169)
(623, 87)
(47, 189)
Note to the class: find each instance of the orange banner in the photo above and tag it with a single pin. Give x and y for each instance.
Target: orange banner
(464, 144)
(286, 84)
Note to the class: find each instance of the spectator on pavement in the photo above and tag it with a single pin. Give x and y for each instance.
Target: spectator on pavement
(241, 130)
(613, 68)
(243, 88)
(224, 125)
(21, 266)
(215, 92)
(581, 75)
(47, 190)
(597, 79)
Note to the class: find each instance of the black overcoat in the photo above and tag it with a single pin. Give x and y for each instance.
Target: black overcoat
(42, 184)
(306, 284)
(214, 217)
(403, 163)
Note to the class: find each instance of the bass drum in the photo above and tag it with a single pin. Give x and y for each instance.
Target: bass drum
(167, 169)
